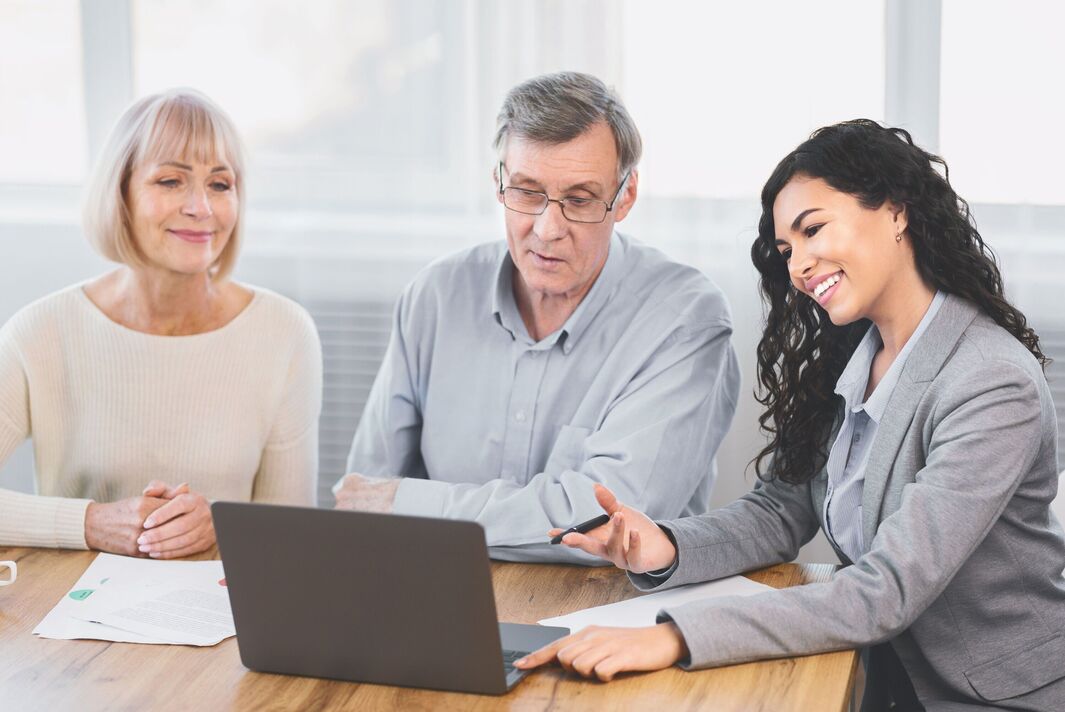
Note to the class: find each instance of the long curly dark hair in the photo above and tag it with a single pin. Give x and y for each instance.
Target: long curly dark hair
(802, 353)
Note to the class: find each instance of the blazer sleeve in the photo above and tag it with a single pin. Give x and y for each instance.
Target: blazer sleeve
(985, 437)
(766, 526)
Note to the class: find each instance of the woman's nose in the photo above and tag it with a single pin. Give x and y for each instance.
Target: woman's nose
(801, 265)
(197, 203)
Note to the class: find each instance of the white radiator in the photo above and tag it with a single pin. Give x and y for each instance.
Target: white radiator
(354, 336)
(1052, 342)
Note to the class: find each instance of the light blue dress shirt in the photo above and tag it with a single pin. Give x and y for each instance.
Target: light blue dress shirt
(850, 450)
(635, 391)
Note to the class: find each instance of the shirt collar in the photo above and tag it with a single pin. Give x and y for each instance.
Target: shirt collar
(855, 377)
(597, 297)
(505, 309)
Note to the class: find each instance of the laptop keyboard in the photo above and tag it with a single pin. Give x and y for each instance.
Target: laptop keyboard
(509, 657)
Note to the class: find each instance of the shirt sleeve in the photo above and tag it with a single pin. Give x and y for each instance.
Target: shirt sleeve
(29, 519)
(288, 470)
(654, 446)
(387, 442)
(983, 445)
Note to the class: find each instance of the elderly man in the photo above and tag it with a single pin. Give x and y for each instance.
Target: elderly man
(520, 372)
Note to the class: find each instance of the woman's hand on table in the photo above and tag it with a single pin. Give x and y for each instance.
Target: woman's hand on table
(115, 526)
(182, 526)
(630, 540)
(604, 652)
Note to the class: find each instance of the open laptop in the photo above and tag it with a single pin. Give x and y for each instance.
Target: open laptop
(368, 597)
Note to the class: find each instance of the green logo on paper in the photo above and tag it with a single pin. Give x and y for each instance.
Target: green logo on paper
(81, 594)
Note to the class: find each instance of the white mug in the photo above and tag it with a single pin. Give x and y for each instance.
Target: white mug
(14, 572)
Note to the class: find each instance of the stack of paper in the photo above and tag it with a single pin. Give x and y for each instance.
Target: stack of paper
(144, 601)
(642, 611)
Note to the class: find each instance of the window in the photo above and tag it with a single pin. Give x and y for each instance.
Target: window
(42, 125)
(721, 94)
(1002, 108)
(344, 106)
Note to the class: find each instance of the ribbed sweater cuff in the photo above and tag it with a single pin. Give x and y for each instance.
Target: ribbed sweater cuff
(33, 520)
(70, 523)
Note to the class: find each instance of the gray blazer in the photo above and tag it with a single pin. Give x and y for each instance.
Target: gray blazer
(963, 567)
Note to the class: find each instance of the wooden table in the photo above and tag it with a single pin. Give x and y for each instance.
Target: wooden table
(55, 675)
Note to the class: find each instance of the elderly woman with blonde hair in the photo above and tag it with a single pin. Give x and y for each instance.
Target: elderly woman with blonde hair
(163, 384)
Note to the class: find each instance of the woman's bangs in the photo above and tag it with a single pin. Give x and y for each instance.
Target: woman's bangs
(184, 131)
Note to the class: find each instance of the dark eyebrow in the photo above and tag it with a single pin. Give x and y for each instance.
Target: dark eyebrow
(798, 220)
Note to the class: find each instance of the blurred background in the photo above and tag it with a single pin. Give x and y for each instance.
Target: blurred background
(368, 124)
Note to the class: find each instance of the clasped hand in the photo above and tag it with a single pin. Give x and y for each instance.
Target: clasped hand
(164, 523)
(631, 541)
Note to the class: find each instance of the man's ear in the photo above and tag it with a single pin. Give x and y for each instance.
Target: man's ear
(627, 198)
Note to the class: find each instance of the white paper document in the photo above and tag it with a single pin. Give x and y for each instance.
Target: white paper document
(132, 600)
(642, 610)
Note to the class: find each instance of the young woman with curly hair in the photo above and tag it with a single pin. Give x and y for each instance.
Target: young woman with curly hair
(909, 418)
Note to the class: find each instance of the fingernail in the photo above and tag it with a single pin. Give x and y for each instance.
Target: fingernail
(149, 522)
(154, 554)
(142, 540)
(144, 547)
(521, 662)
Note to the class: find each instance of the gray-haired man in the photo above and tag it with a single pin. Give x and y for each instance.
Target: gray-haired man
(520, 372)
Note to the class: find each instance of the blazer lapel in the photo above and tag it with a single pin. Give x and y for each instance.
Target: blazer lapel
(924, 362)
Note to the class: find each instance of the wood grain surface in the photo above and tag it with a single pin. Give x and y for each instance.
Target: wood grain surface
(56, 675)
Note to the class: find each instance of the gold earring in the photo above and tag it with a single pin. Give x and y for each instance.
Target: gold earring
(898, 236)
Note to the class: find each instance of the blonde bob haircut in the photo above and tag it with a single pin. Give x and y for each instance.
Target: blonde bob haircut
(179, 124)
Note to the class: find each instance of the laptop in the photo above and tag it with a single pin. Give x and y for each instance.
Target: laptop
(379, 598)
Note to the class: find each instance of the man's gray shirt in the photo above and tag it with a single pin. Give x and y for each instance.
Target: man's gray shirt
(635, 391)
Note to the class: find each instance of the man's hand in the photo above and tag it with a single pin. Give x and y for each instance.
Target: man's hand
(366, 494)
(115, 526)
(604, 652)
(630, 540)
(181, 527)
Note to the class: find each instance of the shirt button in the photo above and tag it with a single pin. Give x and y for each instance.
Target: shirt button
(520, 416)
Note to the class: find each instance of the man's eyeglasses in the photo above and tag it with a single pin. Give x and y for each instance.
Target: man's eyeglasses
(578, 210)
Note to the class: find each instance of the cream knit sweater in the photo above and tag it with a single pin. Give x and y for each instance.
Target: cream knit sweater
(233, 412)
